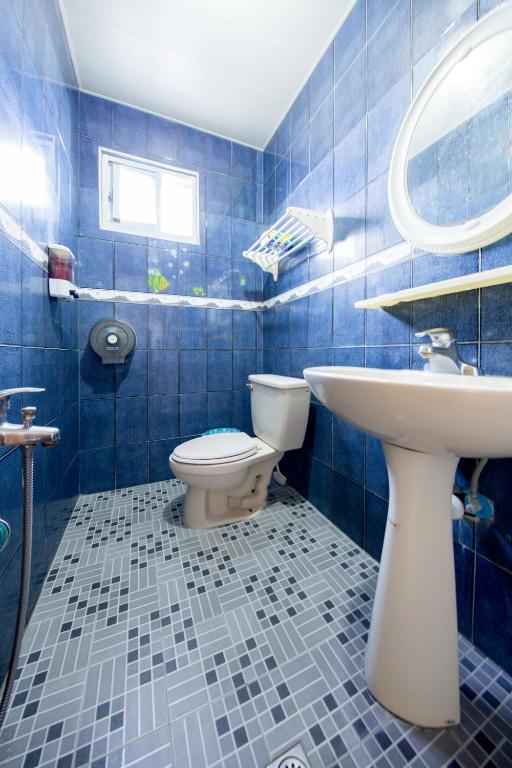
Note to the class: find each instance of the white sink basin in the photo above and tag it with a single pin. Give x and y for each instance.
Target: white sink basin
(426, 422)
(436, 413)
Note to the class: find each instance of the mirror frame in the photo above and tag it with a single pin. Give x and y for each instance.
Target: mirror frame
(474, 233)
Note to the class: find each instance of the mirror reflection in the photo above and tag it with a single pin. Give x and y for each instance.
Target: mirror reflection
(460, 157)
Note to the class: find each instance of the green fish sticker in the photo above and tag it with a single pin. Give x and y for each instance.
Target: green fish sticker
(157, 281)
(199, 291)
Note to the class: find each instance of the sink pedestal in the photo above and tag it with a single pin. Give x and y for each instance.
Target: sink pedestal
(411, 660)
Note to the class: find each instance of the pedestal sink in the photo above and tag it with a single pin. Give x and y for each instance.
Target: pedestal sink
(426, 422)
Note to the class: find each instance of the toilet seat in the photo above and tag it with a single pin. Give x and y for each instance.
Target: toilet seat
(221, 448)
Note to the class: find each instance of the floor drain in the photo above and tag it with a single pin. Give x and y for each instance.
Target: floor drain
(291, 761)
(294, 757)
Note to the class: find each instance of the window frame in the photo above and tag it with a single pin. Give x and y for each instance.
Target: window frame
(109, 161)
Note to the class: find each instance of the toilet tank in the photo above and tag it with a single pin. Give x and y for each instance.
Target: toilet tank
(280, 409)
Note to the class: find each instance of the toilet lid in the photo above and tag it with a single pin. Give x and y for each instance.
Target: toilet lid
(216, 449)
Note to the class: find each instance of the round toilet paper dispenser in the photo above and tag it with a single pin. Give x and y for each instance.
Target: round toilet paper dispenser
(112, 340)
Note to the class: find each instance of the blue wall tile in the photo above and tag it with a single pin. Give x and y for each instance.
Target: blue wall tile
(321, 131)
(192, 328)
(350, 38)
(350, 99)
(162, 138)
(218, 154)
(192, 274)
(244, 330)
(376, 510)
(191, 145)
(159, 453)
(322, 79)
(220, 409)
(219, 329)
(131, 420)
(299, 160)
(218, 193)
(219, 371)
(96, 423)
(131, 267)
(350, 163)
(299, 118)
(128, 129)
(218, 237)
(96, 263)
(320, 320)
(162, 371)
(347, 507)
(95, 117)
(244, 363)
(97, 470)
(132, 376)
(131, 464)
(193, 414)
(192, 376)
(244, 199)
(493, 611)
(163, 415)
(384, 70)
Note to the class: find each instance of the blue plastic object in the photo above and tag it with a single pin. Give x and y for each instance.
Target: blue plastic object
(220, 431)
(5, 534)
(482, 510)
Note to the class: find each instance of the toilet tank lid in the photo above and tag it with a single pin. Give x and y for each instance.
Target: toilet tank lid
(278, 382)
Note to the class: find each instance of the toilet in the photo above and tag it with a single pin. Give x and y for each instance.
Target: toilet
(228, 474)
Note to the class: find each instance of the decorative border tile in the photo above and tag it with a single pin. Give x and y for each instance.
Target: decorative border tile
(381, 260)
(17, 235)
(166, 299)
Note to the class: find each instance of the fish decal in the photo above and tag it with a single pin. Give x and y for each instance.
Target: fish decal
(199, 291)
(157, 281)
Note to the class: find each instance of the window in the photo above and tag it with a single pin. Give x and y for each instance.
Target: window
(141, 197)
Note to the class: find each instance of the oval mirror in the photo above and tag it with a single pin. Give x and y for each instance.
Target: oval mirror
(450, 179)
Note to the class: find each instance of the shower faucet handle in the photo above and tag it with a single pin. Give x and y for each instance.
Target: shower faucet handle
(5, 396)
(28, 414)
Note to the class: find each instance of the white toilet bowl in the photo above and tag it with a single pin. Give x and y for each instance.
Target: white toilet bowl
(227, 477)
(228, 474)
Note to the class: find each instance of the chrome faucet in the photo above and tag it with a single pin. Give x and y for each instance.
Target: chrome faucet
(444, 344)
(26, 433)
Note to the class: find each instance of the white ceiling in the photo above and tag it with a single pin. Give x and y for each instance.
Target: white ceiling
(232, 67)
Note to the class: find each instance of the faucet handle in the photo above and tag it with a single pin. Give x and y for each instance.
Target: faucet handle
(18, 391)
(441, 337)
(5, 395)
(28, 414)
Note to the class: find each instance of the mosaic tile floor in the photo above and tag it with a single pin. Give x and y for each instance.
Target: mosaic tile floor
(153, 645)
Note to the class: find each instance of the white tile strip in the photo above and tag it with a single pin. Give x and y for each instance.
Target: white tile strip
(374, 263)
(17, 235)
(167, 299)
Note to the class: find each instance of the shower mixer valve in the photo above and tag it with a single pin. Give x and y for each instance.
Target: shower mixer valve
(27, 433)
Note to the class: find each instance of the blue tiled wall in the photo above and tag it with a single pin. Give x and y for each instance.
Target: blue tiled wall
(333, 149)
(38, 336)
(190, 367)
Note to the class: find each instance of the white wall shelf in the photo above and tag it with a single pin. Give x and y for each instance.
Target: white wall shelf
(293, 231)
(470, 282)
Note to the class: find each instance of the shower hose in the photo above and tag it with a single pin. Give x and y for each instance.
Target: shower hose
(28, 487)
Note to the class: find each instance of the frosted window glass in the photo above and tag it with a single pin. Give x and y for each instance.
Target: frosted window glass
(137, 196)
(177, 205)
